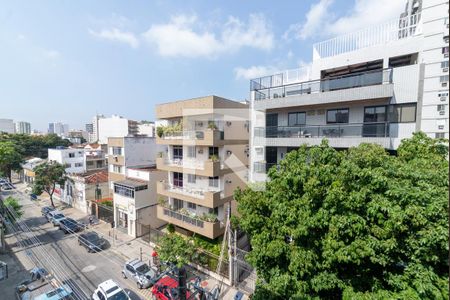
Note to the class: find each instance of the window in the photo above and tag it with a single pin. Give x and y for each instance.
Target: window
(177, 204)
(117, 150)
(123, 190)
(117, 169)
(141, 187)
(191, 205)
(443, 78)
(374, 114)
(213, 151)
(192, 178)
(178, 179)
(441, 107)
(214, 181)
(214, 210)
(100, 296)
(296, 118)
(337, 115)
(444, 64)
(78, 165)
(444, 50)
(177, 152)
(191, 151)
(402, 113)
(72, 154)
(440, 135)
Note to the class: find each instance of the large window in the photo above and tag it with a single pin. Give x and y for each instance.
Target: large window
(191, 205)
(117, 169)
(192, 178)
(337, 115)
(177, 152)
(191, 151)
(178, 179)
(296, 118)
(214, 181)
(117, 150)
(213, 151)
(402, 113)
(123, 190)
(374, 114)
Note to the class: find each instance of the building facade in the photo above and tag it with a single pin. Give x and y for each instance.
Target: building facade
(147, 129)
(71, 158)
(135, 201)
(58, 128)
(115, 126)
(377, 85)
(206, 159)
(23, 127)
(7, 125)
(27, 173)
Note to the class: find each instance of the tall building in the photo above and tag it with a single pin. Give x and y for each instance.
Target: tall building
(376, 85)
(206, 159)
(89, 128)
(58, 128)
(95, 119)
(7, 125)
(23, 127)
(115, 126)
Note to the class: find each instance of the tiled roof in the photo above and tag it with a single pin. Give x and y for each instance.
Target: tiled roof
(95, 176)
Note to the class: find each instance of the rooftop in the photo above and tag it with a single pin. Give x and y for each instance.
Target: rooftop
(131, 182)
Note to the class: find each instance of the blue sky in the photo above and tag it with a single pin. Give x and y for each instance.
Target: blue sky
(66, 60)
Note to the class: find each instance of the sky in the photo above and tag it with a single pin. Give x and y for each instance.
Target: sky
(68, 60)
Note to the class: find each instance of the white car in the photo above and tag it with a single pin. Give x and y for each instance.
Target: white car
(109, 290)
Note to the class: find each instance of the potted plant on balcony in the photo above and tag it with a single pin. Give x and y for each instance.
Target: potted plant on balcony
(208, 217)
(214, 158)
(160, 131)
(212, 125)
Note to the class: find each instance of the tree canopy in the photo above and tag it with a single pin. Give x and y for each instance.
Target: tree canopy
(353, 224)
(28, 145)
(48, 175)
(10, 158)
(175, 249)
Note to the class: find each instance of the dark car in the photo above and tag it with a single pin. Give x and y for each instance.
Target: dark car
(91, 241)
(69, 225)
(46, 209)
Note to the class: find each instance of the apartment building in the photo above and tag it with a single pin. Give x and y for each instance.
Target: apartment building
(23, 127)
(135, 201)
(58, 128)
(7, 125)
(129, 151)
(115, 126)
(27, 174)
(94, 157)
(71, 158)
(376, 85)
(206, 159)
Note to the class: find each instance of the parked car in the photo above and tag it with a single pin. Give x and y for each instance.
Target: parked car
(57, 218)
(91, 241)
(167, 289)
(109, 290)
(69, 225)
(140, 273)
(50, 214)
(46, 209)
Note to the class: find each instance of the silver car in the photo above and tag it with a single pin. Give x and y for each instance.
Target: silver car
(139, 272)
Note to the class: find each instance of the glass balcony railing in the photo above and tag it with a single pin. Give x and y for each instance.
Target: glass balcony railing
(273, 87)
(325, 131)
(262, 167)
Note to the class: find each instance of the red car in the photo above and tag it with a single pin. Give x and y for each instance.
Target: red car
(167, 289)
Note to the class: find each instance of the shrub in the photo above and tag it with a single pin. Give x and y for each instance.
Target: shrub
(170, 228)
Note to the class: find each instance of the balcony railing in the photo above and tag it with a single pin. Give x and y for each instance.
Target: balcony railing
(188, 135)
(270, 87)
(262, 167)
(189, 191)
(325, 131)
(186, 219)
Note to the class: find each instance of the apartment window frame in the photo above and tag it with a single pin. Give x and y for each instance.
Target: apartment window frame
(71, 154)
(213, 181)
(440, 107)
(444, 64)
(191, 178)
(398, 113)
(443, 78)
(191, 205)
(116, 150)
(192, 151)
(177, 152)
(375, 113)
(124, 190)
(445, 50)
(177, 179)
(117, 169)
(439, 135)
(213, 151)
(296, 116)
(78, 165)
(340, 119)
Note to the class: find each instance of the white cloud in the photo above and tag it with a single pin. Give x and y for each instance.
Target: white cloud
(320, 21)
(184, 36)
(315, 18)
(117, 35)
(254, 72)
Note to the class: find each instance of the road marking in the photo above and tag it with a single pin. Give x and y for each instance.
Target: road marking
(89, 268)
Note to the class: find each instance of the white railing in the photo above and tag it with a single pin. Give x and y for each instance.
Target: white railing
(189, 164)
(390, 31)
(189, 191)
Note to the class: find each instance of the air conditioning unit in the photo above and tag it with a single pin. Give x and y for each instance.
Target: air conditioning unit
(445, 55)
(440, 127)
(444, 84)
(445, 70)
(442, 112)
(443, 98)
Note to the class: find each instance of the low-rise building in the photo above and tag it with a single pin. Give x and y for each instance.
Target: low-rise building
(115, 126)
(83, 190)
(71, 158)
(135, 201)
(27, 173)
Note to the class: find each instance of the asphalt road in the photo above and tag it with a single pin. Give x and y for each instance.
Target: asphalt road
(60, 254)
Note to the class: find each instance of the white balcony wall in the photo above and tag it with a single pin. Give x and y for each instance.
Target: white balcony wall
(406, 84)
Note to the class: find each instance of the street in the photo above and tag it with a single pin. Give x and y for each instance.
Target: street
(61, 255)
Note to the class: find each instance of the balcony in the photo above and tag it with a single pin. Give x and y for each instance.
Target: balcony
(207, 168)
(271, 92)
(262, 167)
(338, 135)
(194, 224)
(95, 156)
(208, 137)
(199, 196)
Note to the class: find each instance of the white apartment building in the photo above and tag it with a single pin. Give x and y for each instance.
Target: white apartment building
(115, 126)
(376, 85)
(135, 201)
(7, 125)
(147, 129)
(23, 127)
(72, 158)
(58, 128)
(93, 136)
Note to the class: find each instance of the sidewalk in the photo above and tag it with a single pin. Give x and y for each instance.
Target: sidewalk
(128, 247)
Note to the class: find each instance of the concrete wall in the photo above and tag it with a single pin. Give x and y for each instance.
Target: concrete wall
(111, 127)
(74, 164)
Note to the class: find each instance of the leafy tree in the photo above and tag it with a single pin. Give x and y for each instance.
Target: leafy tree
(15, 206)
(37, 146)
(355, 224)
(10, 158)
(48, 175)
(175, 249)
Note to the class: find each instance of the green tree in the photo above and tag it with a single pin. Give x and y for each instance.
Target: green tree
(36, 146)
(13, 204)
(356, 224)
(175, 249)
(48, 175)
(10, 158)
